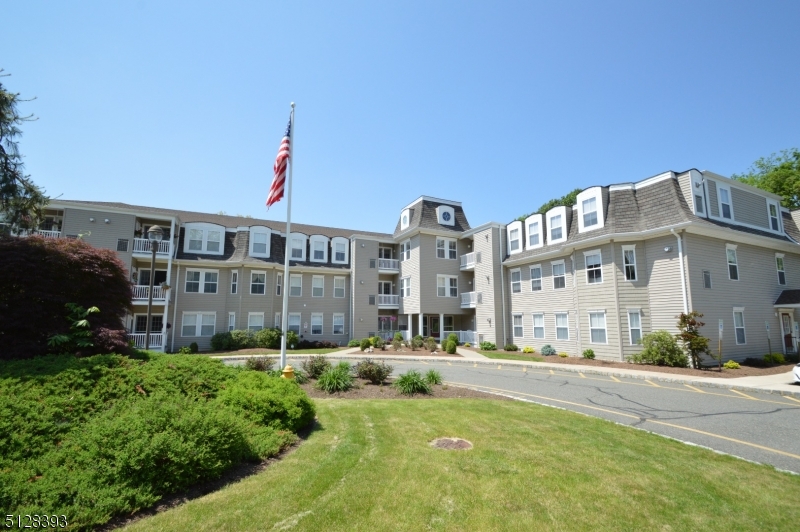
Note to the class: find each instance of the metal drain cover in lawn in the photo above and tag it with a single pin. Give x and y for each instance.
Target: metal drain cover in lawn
(451, 443)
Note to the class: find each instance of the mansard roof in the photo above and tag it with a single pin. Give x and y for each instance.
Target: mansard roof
(423, 216)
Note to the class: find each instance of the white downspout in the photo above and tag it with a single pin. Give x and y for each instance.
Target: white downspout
(175, 308)
(683, 273)
(503, 282)
(172, 248)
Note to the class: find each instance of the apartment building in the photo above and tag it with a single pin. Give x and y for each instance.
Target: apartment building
(624, 261)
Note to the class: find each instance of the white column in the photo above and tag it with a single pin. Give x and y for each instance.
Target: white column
(441, 329)
(410, 327)
(420, 323)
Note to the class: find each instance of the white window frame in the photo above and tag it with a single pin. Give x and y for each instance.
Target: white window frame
(739, 310)
(586, 211)
(447, 247)
(536, 279)
(729, 203)
(405, 287)
(267, 233)
(198, 324)
(596, 194)
(336, 289)
(336, 242)
(514, 237)
(253, 273)
(317, 291)
(320, 318)
(598, 268)
(293, 276)
(323, 241)
(638, 313)
(728, 249)
(780, 266)
(405, 250)
(231, 321)
(540, 316)
(538, 220)
(340, 317)
(626, 265)
(279, 284)
(553, 265)
(447, 285)
(405, 219)
(257, 318)
(518, 328)
(604, 328)
(293, 240)
(202, 282)
(516, 286)
(777, 218)
(234, 282)
(277, 322)
(293, 315)
(552, 214)
(206, 229)
(564, 315)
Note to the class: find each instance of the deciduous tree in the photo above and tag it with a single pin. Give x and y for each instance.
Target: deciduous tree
(779, 174)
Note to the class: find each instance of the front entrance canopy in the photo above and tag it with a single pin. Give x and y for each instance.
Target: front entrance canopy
(788, 299)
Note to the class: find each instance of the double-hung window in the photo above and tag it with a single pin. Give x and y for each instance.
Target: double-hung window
(317, 286)
(195, 240)
(260, 243)
(516, 281)
(559, 275)
(597, 327)
(294, 322)
(738, 325)
(231, 321)
(405, 250)
(213, 240)
(258, 283)
(338, 287)
(706, 279)
(278, 324)
(629, 262)
(779, 266)
(773, 217)
(295, 285)
(698, 204)
(635, 326)
(297, 248)
(536, 278)
(733, 264)
(594, 267)
(198, 323)
(725, 202)
(201, 281)
(278, 284)
(316, 323)
(562, 326)
(446, 286)
(446, 248)
(589, 207)
(533, 234)
(338, 324)
(556, 230)
(518, 325)
(234, 282)
(538, 325)
(339, 251)
(405, 287)
(319, 250)
(513, 238)
(255, 321)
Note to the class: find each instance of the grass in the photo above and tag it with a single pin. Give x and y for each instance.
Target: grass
(505, 355)
(368, 466)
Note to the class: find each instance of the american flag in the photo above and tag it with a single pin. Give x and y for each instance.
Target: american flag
(276, 190)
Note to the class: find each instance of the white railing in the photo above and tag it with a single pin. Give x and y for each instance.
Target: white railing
(470, 299)
(388, 299)
(141, 292)
(48, 234)
(388, 264)
(469, 260)
(156, 340)
(465, 336)
(142, 245)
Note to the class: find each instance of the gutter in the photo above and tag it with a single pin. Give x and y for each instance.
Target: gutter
(683, 272)
(503, 284)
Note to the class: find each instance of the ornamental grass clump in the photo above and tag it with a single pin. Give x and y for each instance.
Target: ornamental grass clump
(411, 383)
(336, 379)
(433, 377)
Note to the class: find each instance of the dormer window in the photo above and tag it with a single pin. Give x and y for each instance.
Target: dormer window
(514, 237)
(589, 212)
(214, 238)
(339, 249)
(725, 202)
(534, 225)
(297, 246)
(774, 216)
(556, 231)
(405, 219)
(195, 240)
(259, 241)
(205, 238)
(590, 209)
(558, 224)
(319, 248)
(533, 234)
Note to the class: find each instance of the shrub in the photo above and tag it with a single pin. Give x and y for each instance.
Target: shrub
(528, 349)
(452, 337)
(111, 341)
(268, 338)
(365, 344)
(300, 376)
(588, 353)
(222, 341)
(79, 337)
(755, 362)
(40, 276)
(374, 372)
(315, 366)
(398, 336)
(694, 344)
(547, 350)
(292, 340)
(433, 377)
(774, 358)
(378, 343)
(259, 364)
(430, 344)
(731, 364)
(487, 346)
(411, 383)
(193, 348)
(185, 350)
(451, 347)
(467, 344)
(397, 344)
(353, 343)
(510, 347)
(336, 379)
(242, 339)
(660, 349)
(563, 355)
(417, 343)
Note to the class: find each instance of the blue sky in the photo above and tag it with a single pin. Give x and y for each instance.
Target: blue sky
(500, 105)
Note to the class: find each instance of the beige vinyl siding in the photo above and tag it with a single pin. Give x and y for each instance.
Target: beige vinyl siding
(685, 184)
(756, 291)
(664, 280)
(632, 294)
(101, 234)
(749, 208)
(430, 267)
(601, 296)
(365, 318)
(489, 313)
(713, 203)
(410, 268)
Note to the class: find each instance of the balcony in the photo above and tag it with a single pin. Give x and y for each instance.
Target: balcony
(388, 266)
(156, 341)
(47, 234)
(470, 299)
(141, 294)
(141, 246)
(469, 260)
(388, 301)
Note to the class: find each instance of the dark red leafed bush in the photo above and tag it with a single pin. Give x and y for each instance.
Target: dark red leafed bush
(39, 276)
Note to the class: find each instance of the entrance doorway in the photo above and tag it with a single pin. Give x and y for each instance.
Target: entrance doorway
(786, 327)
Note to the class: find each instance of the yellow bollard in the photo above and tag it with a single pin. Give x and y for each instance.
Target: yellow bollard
(288, 372)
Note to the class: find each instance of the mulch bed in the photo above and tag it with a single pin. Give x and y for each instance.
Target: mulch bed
(366, 390)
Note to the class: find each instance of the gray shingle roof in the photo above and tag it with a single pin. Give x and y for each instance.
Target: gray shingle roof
(788, 297)
(423, 216)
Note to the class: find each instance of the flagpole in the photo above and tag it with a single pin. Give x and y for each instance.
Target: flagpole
(287, 249)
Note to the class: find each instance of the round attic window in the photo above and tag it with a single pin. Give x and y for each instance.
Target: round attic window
(405, 219)
(446, 216)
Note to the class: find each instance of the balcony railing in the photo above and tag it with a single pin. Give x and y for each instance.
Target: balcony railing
(142, 245)
(142, 292)
(464, 336)
(471, 299)
(469, 260)
(388, 300)
(48, 234)
(389, 264)
(156, 340)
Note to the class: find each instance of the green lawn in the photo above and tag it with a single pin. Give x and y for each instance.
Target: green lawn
(369, 466)
(504, 355)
